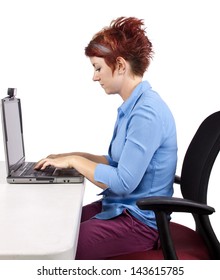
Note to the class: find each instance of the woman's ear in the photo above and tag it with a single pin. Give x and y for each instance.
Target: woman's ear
(120, 65)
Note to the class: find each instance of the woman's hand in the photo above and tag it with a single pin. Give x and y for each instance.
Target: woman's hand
(59, 162)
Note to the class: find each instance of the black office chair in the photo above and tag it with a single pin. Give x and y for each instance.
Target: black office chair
(178, 241)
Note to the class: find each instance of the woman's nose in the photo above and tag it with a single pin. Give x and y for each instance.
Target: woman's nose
(95, 77)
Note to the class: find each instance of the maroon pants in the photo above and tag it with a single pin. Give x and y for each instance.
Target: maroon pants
(101, 239)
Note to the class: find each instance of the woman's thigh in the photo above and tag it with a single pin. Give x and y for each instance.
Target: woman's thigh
(101, 239)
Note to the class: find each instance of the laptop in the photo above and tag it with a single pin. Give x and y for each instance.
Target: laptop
(18, 170)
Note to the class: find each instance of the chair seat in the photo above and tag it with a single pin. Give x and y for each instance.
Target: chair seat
(188, 243)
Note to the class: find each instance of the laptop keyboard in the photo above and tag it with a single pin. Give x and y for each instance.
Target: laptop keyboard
(48, 171)
(30, 171)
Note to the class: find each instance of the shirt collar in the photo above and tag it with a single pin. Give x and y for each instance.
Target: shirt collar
(129, 104)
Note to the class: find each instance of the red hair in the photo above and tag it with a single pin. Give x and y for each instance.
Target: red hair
(125, 37)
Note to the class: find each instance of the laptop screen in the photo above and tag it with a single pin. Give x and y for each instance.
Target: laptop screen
(13, 134)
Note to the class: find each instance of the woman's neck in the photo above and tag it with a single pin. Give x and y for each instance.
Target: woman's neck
(128, 86)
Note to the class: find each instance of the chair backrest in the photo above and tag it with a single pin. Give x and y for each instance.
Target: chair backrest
(196, 169)
(199, 159)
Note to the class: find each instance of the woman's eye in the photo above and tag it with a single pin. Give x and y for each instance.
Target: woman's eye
(98, 69)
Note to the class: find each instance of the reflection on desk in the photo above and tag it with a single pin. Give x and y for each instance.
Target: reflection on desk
(39, 221)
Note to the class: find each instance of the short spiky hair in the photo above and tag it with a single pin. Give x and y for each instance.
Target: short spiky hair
(125, 37)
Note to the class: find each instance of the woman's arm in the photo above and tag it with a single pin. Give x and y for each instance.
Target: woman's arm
(95, 158)
(84, 163)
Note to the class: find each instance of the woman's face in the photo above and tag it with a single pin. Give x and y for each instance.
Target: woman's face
(110, 82)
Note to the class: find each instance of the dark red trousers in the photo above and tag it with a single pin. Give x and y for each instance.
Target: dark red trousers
(101, 239)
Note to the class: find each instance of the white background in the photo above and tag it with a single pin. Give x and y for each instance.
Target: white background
(42, 55)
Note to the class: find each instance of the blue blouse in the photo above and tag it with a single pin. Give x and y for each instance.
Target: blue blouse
(142, 156)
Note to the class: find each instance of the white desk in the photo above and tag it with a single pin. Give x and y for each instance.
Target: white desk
(39, 221)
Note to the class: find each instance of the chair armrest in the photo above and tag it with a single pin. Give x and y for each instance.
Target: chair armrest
(177, 179)
(174, 204)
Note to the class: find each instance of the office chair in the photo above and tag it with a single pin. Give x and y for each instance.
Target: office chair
(178, 241)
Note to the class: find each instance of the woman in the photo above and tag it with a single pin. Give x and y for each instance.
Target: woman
(142, 155)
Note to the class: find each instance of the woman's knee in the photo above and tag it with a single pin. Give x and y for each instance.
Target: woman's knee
(90, 210)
